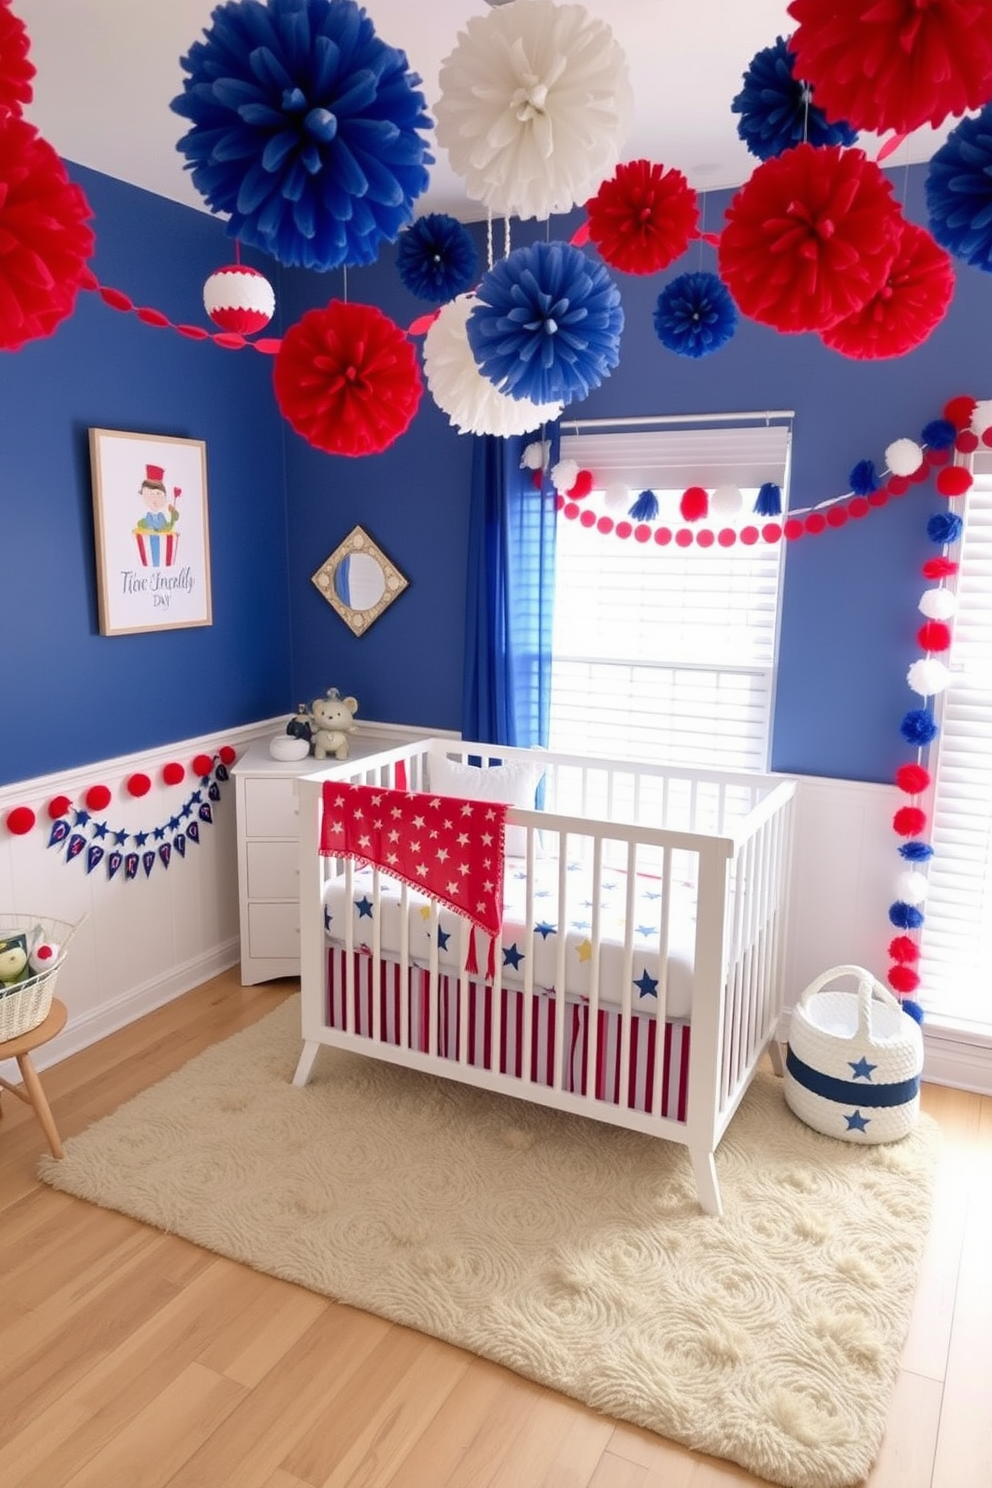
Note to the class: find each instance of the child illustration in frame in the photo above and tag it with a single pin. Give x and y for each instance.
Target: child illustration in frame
(155, 532)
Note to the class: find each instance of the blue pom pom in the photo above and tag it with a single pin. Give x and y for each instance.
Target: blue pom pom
(547, 323)
(436, 258)
(912, 1008)
(905, 916)
(945, 527)
(305, 130)
(939, 433)
(769, 502)
(916, 852)
(776, 111)
(918, 727)
(645, 508)
(695, 315)
(959, 191)
(864, 478)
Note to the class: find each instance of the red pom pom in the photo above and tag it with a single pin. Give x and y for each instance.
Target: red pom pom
(173, 773)
(139, 784)
(903, 949)
(953, 480)
(695, 504)
(643, 218)
(958, 411)
(837, 516)
(909, 821)
(898, 485)
(893, 66)
(228, 754)
(903, 978)
(939, 568)
(815, 523)
(810, 238)
(934, 635)
(202, 764)
(794, 529)
(59, 806)
(910, 304)
(16, 70)
(97, 797)
(913, 779)
(582, 486)
(966, 442)
(20, 820)
(347, 380)
(43, 237)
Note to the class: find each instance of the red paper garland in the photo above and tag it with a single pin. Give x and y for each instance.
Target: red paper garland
(911, 303)
(229, 340)
(643, 218)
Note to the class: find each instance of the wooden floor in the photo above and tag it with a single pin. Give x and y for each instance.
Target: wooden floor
(132, 1359)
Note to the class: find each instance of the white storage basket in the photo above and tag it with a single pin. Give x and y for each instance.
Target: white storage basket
(25, 1005)
(854, 1060)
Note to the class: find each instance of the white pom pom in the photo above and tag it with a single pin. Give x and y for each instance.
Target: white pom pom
(904, 456)
(535, 455)
(981, 418)
(471, 401)
(938, 604)
(617, 496)
(912, 887)
(534, 107)
(564, 475)
(726, 501)
(928, 677)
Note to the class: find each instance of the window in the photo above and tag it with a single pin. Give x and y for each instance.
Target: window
(668, 653)
(956, 942)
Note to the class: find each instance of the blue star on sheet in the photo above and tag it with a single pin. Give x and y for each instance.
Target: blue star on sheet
(652, 894)
(646, 985)
(512, 956)
(645, 930)
(544, 929)
(857, 1122)
(443, 936)
(364, 907)
(862, 1069)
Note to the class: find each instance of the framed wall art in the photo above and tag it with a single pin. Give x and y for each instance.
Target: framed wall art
(359, 581)
(152, 532)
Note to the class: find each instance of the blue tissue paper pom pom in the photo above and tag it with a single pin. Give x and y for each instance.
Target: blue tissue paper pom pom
(916, 852)
(776, 111)
(864, 478)
(695, 315)
(305, 128)
(546, 324)
(645, 508)
(769, 502)
(436, 258)
(939, 433)
(958, 190)
(905, 916)
(944, 527)
(912, 1008)
(918, 727)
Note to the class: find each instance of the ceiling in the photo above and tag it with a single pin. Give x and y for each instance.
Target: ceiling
(108, 69)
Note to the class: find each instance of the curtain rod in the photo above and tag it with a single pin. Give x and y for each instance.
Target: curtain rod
(764, 416)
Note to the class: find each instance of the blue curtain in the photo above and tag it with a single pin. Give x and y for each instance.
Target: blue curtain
(506, 696)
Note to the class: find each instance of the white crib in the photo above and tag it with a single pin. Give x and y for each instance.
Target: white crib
(681, 876)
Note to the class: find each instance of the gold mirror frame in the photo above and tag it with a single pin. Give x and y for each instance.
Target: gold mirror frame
(331, 575)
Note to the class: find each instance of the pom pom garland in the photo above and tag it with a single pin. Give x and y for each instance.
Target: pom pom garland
(938, 434)
(916, 852)
(138, 784)
(16, 68)
(59, 806)
(173, 773)
(769, 500)
(726, 501)
(909, 821)
(776, 109)
(981, 416)
(901, 948)
(228, 754)
(903, 979)
(953, 480)
(645, 508)
(20, 820)
(581, 486)
(905, 916)
(695, 315)
(535, 455)
(958, 189)
(912, 887)
(939, 568)
(918, 728)
(912, 1009)
(904, 456)
(912, 779)
(564, 475)
(469, 399)
(617, 495)
(938, 604)
(202, 765)
(643, 218)
(694, 504)
(944, 528)
(436, 258)
(928, 677)
(934, 635)
(864, 478)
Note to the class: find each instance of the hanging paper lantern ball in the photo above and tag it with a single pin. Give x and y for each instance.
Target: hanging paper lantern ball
(894, 66)
(20, 820)
(617, 496)
(695, 315)
(928, 677)
(44, 240)
(901, 948)
(938, 604)
(436, 258)
(307, 130)
(97, 797)
(810, 238)
(469, 399)
(547, 322)
(59, 806)
(909, 821)
(912, 302)
(864, 478)
(534, 107)
(913, 779)
(16, 69)
(944, 528)
(726, 501)
(918, 728)
(958, 189)
(695, 504)
(776, 108)
(903, 456)
(139, 784)
(934, 635)
(912, 887)
(239, 299)
(346, 379)
(643, 218)
(173, 773)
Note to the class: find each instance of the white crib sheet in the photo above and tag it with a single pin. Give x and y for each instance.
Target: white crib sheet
(646, 970)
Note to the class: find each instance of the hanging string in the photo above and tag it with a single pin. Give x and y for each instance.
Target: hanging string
(489, 239)
(506, 237)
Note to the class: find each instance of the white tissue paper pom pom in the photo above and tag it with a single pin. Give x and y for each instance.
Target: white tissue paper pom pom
(564, 475)
(459, 389)
(617, 496)
(981, 417)
(903, 456)
(912, 888)
(928, 677)
(726, 501)
(938, 604)
(535, 455)
(535, 103)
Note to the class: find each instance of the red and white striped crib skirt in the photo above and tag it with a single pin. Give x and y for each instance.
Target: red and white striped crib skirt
(511, 1035)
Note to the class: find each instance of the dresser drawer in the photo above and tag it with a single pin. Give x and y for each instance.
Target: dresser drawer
(274, 931)
(273, 870)
(271, 808)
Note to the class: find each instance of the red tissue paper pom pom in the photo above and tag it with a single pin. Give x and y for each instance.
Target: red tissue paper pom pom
(953, 480)
(909, 821)
(643, 218)
(20, 820)
(582, 486)
(97, 797)
(903, 949)
(202, 764)
(59, 806)
(939, 568)
(810, 238)
(934, 635)
(138, 784)
(695, 504)
(910, 304)
(895, 64)
(16, 71)
(346, 378)
(228, 754)
(44, 242)
(173, 773)
(958, 410)
(903, 978)
(913, 779)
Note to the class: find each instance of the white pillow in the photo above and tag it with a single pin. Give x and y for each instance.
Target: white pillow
(514, 784)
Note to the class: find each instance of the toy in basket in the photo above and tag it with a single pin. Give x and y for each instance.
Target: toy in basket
(32, 953)
(854, 1060)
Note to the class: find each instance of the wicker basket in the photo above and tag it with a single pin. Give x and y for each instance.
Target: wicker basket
(26, 1004)
(854, 1060)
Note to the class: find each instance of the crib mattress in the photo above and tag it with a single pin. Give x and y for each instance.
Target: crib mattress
(649, 973)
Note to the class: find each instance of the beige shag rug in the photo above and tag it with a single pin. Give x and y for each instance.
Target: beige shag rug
(568, 1250)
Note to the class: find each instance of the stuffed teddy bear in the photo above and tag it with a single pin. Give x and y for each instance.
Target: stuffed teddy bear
(332, 720)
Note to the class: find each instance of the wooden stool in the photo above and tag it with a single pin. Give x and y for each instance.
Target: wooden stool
(19, 1048)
